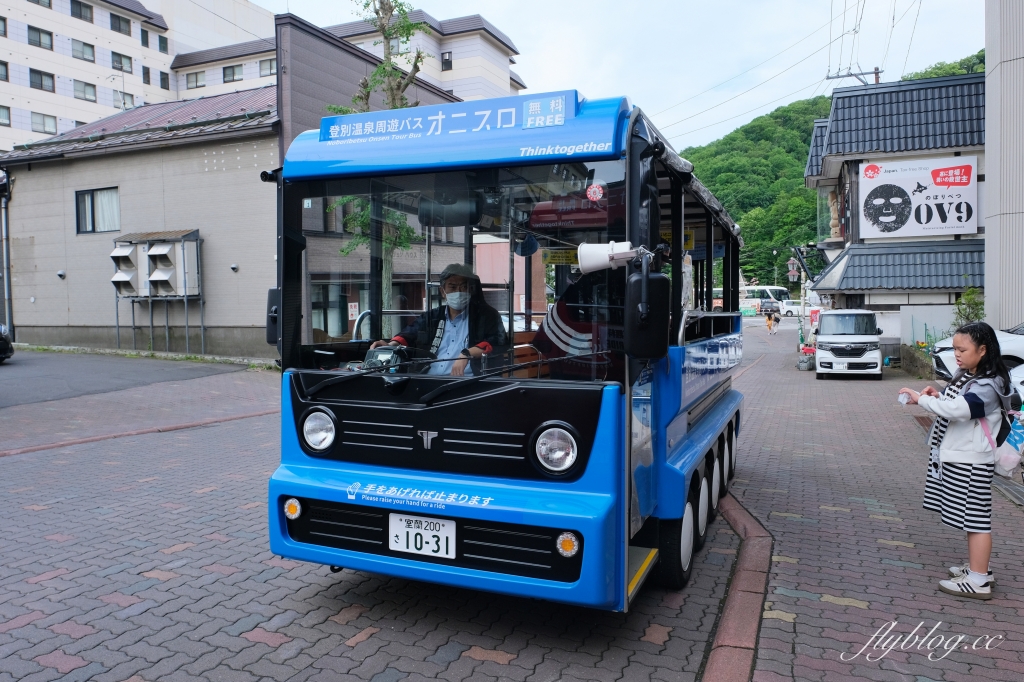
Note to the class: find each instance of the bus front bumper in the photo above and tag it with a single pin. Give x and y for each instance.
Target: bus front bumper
(506, 532)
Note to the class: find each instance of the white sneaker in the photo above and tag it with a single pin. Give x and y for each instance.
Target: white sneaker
(957, 571)
(963, 586)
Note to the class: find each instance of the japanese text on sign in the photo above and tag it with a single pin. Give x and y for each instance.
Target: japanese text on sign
(560, 257)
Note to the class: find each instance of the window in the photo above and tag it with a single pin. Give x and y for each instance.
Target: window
(86, 91)
(122, 100)
(232, 73)
(80, 10)
(162, 43)
(145, 38)
(120, 24)
(98, 210)
(3, 71)
(165, 80)
(40, 80)
(41, 123)
(399, 46)
(3, 27)
(121, 62)
(40, 38)
(268, 67)
(145, 75)
(446, 61)
(85, 51)
(5, 116)
(41, 3)
(195, 80)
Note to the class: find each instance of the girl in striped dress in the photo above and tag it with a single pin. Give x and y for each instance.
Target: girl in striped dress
(962, 457)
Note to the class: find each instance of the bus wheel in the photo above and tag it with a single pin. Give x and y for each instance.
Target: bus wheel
(730, 446)
(723, 463)
(677, 546)
(703, 509)
(716, 487)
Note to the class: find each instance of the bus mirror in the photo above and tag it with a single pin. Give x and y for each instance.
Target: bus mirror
(594, 257)
(273, 308)
(465, 210)
(647, 339)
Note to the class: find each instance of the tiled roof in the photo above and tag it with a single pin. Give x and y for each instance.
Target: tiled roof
(224, 53)
(516, 78)
(951, 265)
(817, 144)
(136, 7)
(164, 122)
(931, 113)
(448, 27)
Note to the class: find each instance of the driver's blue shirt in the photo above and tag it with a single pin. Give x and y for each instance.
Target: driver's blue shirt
(454, 339)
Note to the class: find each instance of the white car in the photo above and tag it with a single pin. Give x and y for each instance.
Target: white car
(791, 308)
(847, 342)
(1011, 343)
(1017, 380)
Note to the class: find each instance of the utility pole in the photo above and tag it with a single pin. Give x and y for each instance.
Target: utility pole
(859, 75)
(6, 244)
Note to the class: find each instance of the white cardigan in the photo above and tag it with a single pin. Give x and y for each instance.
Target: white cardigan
(965, 440)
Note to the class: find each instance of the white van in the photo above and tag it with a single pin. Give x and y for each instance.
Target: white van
(848, 343)
(769, 298)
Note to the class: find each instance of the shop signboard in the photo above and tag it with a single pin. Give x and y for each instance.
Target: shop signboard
(924, 197)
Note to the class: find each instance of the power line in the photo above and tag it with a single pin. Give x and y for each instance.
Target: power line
(912, 31)
(892, 28)
(829, 24)
(761, 106)
(897, 22)
(269, 41)
(751, 88)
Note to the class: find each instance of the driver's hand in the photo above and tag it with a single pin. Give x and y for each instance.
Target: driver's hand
(459, 367)
(378, 344)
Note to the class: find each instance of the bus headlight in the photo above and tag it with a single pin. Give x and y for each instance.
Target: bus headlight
(292, 509)
(556, 450)
(318, 430)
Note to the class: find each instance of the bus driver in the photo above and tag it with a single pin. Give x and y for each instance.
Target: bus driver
(461, 331)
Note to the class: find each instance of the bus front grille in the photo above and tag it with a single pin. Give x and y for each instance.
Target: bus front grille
(514, 549)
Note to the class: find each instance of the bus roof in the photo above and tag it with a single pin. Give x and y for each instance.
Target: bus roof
(554, 126)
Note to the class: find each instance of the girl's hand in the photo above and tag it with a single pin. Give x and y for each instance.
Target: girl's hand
(914, 395)
(931, 391)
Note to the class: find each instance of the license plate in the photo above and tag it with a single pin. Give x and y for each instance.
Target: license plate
(839, 365)
(422, 535)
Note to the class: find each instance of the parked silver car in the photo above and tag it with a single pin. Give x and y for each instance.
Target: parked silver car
(1011, 343)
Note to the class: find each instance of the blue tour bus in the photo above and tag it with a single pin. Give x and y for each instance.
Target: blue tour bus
(591, 433)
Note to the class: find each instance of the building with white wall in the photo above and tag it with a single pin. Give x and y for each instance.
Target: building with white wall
(68, 62)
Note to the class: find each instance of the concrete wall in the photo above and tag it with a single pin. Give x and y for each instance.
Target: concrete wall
(213, 187)
(1004, 145)
(922, 322)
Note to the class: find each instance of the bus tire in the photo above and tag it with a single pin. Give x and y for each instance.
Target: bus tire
(723, 463)
(730, 443)
(703, 516)
(715, 479)
(677, 547)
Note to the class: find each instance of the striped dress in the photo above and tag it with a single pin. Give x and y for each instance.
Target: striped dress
(961, 493)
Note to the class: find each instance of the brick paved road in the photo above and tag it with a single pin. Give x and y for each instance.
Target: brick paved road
(145, 558)
(835, 471)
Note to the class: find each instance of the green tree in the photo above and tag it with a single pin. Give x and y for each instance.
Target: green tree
(757, 172)
(970, 307)
(975, 63)
(389, 18)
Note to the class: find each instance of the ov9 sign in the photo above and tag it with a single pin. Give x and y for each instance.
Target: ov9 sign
(919, 198)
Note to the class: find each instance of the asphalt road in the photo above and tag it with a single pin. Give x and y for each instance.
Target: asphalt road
(31, 377)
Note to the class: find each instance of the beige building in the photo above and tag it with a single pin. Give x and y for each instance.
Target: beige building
(1004, 144)
(68, 62)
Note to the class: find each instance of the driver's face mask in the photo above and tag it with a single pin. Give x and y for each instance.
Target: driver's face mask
(457, 300)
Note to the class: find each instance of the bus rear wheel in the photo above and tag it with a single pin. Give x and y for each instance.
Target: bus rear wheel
(703, 508)
(676, 549)
(716, 486)
(723, 464)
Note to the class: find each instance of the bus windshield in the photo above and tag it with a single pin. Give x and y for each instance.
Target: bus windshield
(376, 248)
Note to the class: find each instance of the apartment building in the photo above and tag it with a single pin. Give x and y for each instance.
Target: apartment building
(468, 57)
(64, 63)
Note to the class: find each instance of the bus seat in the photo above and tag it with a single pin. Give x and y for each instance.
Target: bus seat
(524, 337)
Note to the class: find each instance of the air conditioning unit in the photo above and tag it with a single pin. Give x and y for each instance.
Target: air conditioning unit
(131, 277)
(171, 266)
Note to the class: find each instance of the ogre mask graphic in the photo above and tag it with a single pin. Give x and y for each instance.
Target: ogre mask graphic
(888, 207)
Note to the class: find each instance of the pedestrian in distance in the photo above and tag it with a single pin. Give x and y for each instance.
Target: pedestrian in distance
(776, 319)
(769, 320)
(962, 444)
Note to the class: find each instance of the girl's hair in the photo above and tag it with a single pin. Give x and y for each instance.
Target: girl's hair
(991, 364)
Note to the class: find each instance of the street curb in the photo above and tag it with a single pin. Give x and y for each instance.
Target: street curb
(263, 363)
(139, 432)
(732, 652)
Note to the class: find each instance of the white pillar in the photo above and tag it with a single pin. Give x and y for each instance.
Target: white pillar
(1004, 172)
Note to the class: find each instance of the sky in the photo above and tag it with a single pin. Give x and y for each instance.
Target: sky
(702, 68)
